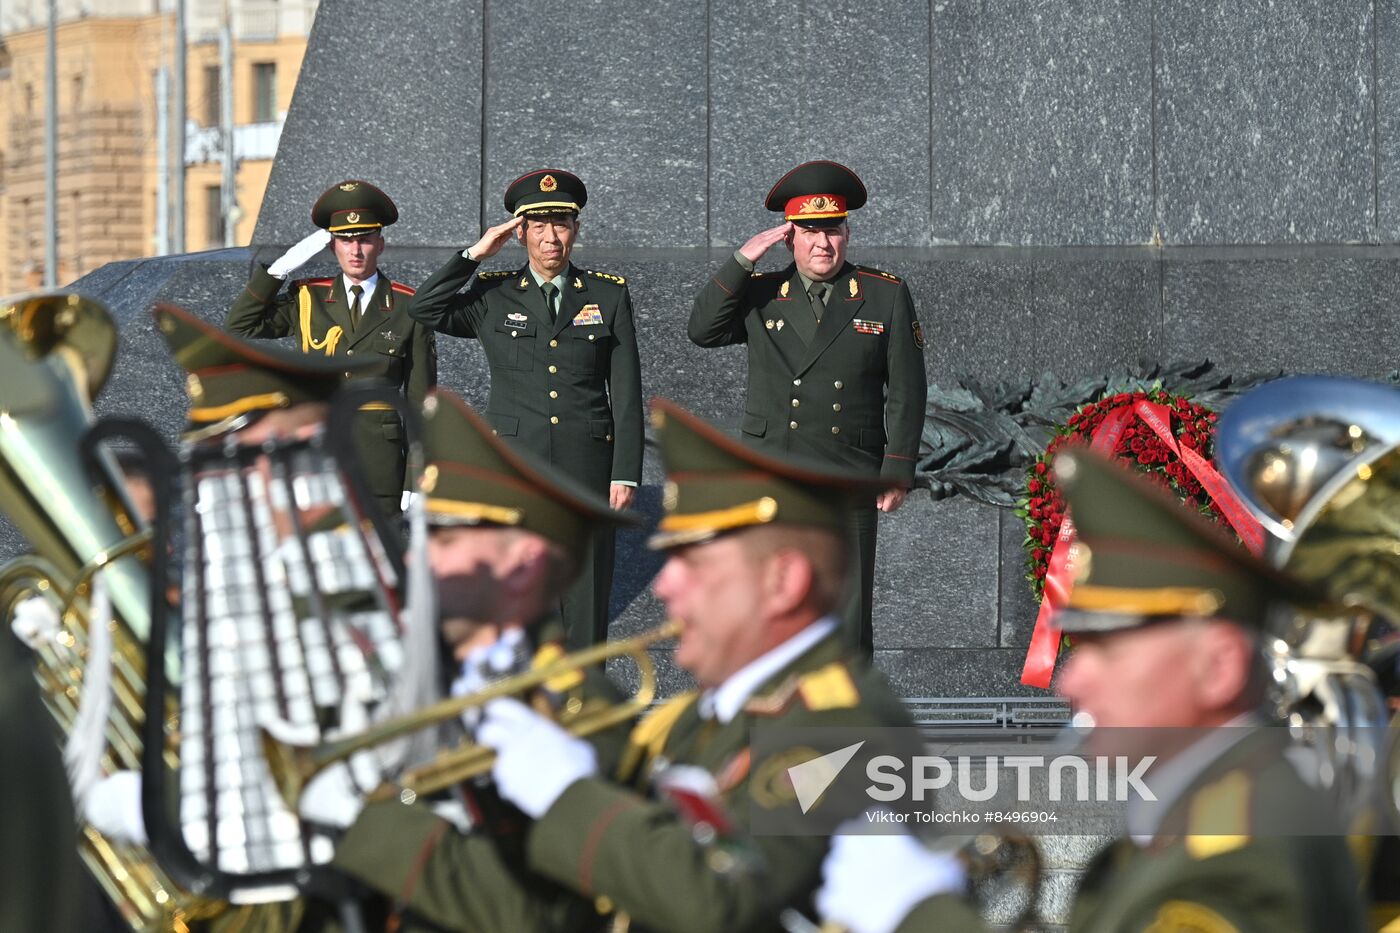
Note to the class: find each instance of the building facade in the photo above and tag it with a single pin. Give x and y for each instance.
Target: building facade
(114, 84)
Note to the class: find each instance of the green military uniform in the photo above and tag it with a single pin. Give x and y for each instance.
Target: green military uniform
(317, 312)
(1247, 845)
(849, 389)
(435, 874)
(610, 840)
(39, 873)
(565, 386)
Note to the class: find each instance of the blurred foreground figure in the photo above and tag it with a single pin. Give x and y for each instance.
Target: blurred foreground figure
(1166, 616)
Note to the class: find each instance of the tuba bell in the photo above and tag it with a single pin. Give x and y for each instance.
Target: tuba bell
(56, 351)
(1317, 460)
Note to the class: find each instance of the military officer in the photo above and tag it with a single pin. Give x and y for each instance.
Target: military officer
(1167, 618)
(836, 366)
(757, 548)
(359, 314)
(562, 350)
(507, 536)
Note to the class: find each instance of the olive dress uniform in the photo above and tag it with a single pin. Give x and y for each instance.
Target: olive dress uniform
(317, 312)
(565, 387)
(1206, 878)
(849, 389)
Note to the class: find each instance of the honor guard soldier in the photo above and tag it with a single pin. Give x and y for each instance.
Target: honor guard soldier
(1167, 618)
(507, 534)
(756, 551)
(359, 314)
(836, 365)
(562, 350)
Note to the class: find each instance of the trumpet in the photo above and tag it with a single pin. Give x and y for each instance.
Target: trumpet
(293, 766)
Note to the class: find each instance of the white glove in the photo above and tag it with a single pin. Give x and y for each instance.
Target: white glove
(299, 255)
(536, 760)
(35, 622)
(871, 882)
(113, 808)
(486, 664)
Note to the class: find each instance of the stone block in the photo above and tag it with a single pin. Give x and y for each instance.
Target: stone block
(955, 672)
(1387, 55)
(1017, 316)
(1265, 121)
(936, 575)
(395, 100)
(793, 82)
(1042, 122)
(625, 111)
(1318, 310)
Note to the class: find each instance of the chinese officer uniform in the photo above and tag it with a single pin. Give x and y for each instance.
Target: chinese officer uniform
(565, 372)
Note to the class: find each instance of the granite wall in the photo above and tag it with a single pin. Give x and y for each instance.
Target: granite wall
(973, 122)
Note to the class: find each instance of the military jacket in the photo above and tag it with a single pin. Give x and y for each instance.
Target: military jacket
(568, 389)
(1245, 881)
(440, 878)
(613, 843)
(850, 390)
(317, 313)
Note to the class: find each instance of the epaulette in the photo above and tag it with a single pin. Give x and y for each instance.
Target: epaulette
(312, 283)
(648, 737)
(608, 276)
(496, 274)
(879, 274)
(547, 654)
(1219, 816)
(403, 289)
(829, 687)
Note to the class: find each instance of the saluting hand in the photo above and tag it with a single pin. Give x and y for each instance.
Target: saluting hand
(494, 238)
(760, 243)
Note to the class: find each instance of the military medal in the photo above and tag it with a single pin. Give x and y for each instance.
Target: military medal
(868, 327)
(589, 315)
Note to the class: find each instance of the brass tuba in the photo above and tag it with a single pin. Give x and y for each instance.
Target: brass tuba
(1317, 461)
(56, 351)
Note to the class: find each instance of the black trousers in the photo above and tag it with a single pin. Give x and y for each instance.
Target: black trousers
(857, 619)
(584, 606)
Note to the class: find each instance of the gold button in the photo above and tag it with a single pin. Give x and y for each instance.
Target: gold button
(514, 334)
(608, 438)
(836, 407)
(494, 431)
(348, 374)
(554, 343)
(797, 382)
(839, 384)
(349, 352)
(795, 403)
(592, 336)
(793, 425)
(553, 419)
(835, 430)
(554, 369)
(553, 394)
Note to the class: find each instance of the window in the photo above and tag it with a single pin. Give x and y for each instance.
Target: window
(214, 211)
(211, 95)
(264, 92)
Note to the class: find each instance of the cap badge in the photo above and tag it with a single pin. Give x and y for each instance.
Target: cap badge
(353, 217)
(818, 204)
(670, 495)
(349, 186)
(783, 290)
(194, 387)
(547, 183)
(855, 288)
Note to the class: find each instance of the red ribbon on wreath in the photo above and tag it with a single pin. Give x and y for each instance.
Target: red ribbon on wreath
(1059, 576)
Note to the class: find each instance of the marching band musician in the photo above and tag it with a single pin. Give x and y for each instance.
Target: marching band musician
(508, 535)
(757, 557)
(1167, 619)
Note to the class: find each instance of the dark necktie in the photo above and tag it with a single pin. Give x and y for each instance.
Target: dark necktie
(817, 295)
(355, 309)
(549, 292)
